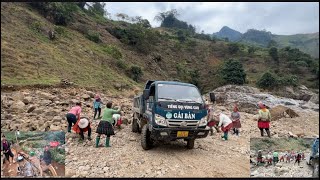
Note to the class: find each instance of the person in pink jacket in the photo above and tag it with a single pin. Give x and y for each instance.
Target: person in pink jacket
(225, 123)
(73, 115)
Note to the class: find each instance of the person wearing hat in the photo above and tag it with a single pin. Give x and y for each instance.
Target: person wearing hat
(47, 157)
(73, 115)
(6, 148)
(97, 106)
(81, 126)
(235, 116)
(117, 120)
(225, 123)
(106, 124)
(264, 119)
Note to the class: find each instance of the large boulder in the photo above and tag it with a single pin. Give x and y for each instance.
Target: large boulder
(315, 98)
(86, 97)
(18, 106)
(55, 128)
(27, 100)
(45, 95)
(30, 109)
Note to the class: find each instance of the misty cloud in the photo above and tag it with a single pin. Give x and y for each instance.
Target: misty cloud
(282, 18)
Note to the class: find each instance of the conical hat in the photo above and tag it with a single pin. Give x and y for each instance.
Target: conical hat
(83, 123)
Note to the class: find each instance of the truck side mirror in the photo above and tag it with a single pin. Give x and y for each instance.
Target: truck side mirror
(212, 97)
(146, 94)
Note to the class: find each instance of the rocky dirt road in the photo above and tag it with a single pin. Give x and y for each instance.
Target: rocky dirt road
(44, 110)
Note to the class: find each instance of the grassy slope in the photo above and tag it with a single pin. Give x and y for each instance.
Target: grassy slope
(25, 52)
(308, 43)
(70, 56)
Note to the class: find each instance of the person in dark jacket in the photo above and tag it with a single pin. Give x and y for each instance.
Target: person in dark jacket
(47, 157)
(6, 148)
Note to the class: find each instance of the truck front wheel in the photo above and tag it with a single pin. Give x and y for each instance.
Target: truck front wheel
(135, 126)
(190, 143)
(146, 141)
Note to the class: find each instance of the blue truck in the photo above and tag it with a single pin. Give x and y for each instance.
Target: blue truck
(169, 110)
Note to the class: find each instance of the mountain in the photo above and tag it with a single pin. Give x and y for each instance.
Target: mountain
(308, 43)
(226, 32)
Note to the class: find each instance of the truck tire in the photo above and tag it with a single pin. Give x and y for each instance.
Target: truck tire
(190, 143)
(146, 141)
(135, 126)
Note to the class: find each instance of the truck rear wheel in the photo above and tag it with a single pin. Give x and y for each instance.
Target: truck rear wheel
(135, 126)
(190, 143)
(146, 141)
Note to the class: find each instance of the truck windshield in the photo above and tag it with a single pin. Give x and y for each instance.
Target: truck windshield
(178, 93)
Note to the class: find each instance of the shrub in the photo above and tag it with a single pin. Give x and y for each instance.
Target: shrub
(136, 72)
(36, 26)
(181, 36)
(267, 80)
(232, 72)
(93, 36)
(290, 80)
(58, 12)
(113, 51)
(251, 50)
(233, 48)
(141, 38)
(121, 64)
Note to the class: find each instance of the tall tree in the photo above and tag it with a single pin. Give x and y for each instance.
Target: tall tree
(98, 8)
(232, 72)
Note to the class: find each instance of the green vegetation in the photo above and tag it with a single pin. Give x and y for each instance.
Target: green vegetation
(273, 52)
(113, 51)
(60, 13)
(233, 48)
(269, 81)
(58, 155)
(136, 73)
(94, 36)
(142, 39)
(232, 72)
(169, 20)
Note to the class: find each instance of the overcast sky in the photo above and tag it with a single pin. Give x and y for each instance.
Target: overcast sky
(281, 18)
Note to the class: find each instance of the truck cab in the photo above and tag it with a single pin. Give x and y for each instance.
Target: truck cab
(169, 110)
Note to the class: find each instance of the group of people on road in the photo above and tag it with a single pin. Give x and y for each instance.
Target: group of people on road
(220, 120)
(111, 118)
(287, 157)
